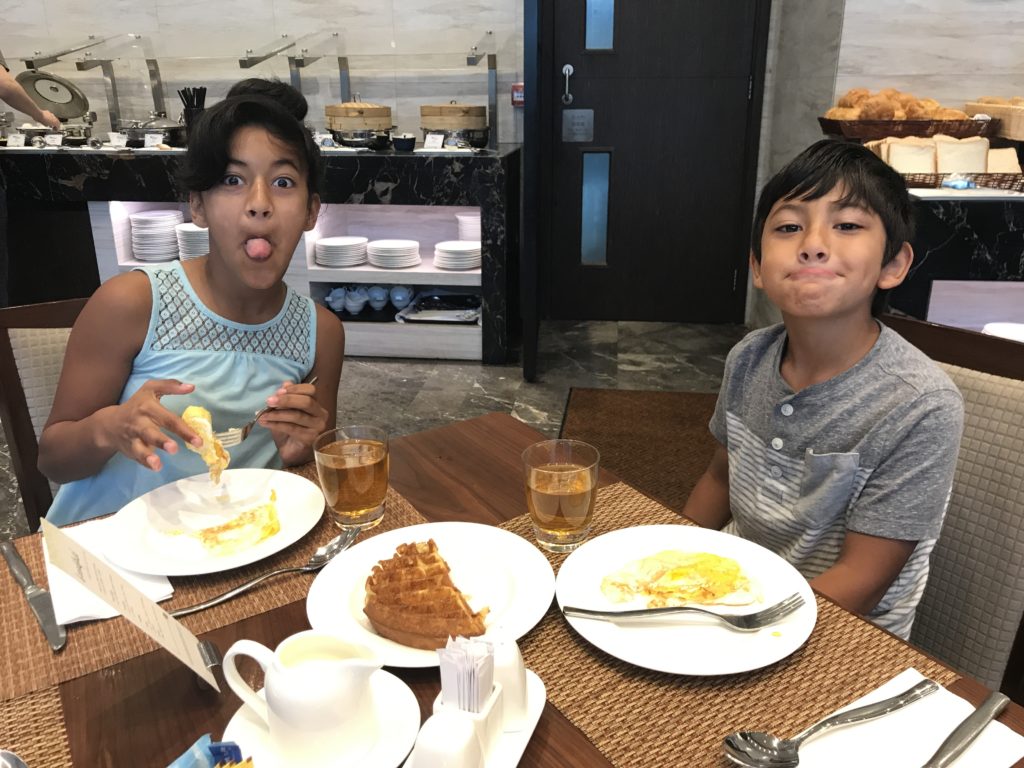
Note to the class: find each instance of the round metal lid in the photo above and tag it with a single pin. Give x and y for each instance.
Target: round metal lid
(54, 93)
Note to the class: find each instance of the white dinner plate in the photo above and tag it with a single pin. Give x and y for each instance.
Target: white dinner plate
(150, 533)
(492, 567)
(396, 711)
(686, 646)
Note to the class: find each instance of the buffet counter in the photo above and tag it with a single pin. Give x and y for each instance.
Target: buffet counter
(423, 190)
(962, 235)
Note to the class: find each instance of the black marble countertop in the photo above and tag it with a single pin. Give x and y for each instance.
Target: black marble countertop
(404, 178)
(68, 178)
(974, 238)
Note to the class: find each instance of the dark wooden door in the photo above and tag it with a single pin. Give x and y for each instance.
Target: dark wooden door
(675, 105)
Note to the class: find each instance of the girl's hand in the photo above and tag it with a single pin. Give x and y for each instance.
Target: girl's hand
(295, 420)
(138, 427)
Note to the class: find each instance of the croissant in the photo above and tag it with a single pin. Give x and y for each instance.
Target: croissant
(843, 113)
(853, 97)
(877, 108)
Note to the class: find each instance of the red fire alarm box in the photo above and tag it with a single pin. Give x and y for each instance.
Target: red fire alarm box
(518, 94)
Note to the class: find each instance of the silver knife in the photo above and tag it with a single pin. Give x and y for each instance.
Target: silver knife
(39, 599)
(965, 733)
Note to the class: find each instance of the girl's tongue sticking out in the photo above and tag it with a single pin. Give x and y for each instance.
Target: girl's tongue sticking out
(257, 248)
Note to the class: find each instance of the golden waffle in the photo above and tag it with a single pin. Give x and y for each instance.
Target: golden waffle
(410, 598)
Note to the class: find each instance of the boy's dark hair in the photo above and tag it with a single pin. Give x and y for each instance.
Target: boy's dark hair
(288, 97)
(209, 140)
(867, 180)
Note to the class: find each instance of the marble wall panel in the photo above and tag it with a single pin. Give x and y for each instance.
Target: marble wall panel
(24, 30)
(950, 50)
(388, 43)
(200, 28)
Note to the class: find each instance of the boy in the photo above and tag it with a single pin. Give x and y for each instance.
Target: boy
(838, 438)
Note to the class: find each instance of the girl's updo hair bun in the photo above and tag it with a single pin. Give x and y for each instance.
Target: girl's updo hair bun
(209, 140)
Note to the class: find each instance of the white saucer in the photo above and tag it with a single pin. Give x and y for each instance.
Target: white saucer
(508, 750)
(397, 713)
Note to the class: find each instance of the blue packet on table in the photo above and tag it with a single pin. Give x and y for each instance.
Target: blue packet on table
(206, 753)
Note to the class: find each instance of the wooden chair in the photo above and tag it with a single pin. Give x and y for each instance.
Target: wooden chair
(972, 612)
(32, 343)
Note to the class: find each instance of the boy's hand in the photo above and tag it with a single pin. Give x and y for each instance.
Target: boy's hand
(295, 419)
(139, 426)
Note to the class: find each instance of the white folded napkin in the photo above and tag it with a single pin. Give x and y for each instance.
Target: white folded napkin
(73, 602)
(911, 735)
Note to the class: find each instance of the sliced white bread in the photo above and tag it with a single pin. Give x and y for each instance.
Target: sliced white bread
(1003, 161)
(908, 157)
(961, 155)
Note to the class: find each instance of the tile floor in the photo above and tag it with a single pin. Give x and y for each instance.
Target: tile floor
(408, 396)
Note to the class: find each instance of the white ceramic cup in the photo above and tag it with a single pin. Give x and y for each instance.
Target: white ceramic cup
(317, 695)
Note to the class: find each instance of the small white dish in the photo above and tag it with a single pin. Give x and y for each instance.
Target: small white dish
(396, 710)
(509, 747)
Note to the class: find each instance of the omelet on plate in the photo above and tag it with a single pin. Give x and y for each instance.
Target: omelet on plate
(243, 530)
(212, 452)
(673, 578)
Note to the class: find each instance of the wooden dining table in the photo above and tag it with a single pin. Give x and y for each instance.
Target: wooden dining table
(148, 709)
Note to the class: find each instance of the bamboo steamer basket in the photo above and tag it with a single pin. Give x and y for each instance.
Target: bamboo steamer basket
(358, 116)
(453, 117)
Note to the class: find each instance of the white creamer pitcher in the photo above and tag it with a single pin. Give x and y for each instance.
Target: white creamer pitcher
(318, 700)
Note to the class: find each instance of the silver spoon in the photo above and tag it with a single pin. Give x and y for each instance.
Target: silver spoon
(319, 559)
(11, 760)
(756, 749)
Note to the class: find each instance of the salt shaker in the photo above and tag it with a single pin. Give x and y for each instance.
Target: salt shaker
(510, 671)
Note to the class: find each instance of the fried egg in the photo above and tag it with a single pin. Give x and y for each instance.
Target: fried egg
(673, 578)
(243, 530)
(211, 451)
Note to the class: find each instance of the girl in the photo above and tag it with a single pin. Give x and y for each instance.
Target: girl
(222, 331)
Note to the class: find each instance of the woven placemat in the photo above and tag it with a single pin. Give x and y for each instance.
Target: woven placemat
(615, 703)
(27, 664)
(32, 726)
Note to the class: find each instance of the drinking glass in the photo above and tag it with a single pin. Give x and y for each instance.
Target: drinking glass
(352, 463)
(561, 487)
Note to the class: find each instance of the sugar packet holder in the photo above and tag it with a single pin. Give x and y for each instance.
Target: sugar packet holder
(455, 737)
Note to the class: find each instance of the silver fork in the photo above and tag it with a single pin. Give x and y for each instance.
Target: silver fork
(746, 622)
(318, 560)
(229, 438)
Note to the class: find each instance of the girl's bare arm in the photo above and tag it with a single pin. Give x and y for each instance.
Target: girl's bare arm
(86, 425)
(300, 412)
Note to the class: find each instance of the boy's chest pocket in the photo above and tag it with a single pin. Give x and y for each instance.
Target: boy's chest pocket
(826, 486)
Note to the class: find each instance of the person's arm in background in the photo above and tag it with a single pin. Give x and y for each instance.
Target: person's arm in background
(708, 504)
(12, 93)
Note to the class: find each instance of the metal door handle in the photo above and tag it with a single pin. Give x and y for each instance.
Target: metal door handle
(567, 70)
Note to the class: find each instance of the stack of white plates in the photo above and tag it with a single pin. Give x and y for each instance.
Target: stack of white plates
(393, 254)
(469, 226)
(457, 254)
(193, 240)
(341, 251)
(153, 234)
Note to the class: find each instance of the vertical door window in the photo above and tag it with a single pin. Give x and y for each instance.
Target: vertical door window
(594, 214)
(600, 25)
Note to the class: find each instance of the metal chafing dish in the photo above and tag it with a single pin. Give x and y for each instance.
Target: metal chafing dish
(65, 100)
(170, 132)
(360, 124)
(6, 127)
(462, 124)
